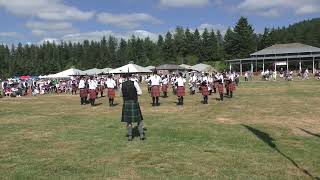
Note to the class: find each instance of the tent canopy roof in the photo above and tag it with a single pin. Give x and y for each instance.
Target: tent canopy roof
(67, 73)
(286, 49)
(131, 68)
(202, 68)
(170, 67)
(186, 66)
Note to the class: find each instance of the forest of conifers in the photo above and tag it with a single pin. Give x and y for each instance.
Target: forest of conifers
(181, 46)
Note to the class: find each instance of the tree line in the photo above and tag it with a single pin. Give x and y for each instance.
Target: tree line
(181, 46)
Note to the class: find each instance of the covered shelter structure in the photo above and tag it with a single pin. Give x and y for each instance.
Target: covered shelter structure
(169, 68)
(203, 68)
(130, 68)
(293, 56)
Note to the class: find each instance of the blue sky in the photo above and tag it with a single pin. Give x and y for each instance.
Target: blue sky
(33, 21)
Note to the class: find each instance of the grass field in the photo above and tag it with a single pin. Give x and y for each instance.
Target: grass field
(269, 130)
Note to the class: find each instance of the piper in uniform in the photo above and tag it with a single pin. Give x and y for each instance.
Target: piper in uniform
(180, 81)
(205, 92)
(83, 91)
(231, 85)
(111, 85)
(93, 90)
(131, 112)
(165, 82)
(155, 88)
(220, 86)
(74, 87)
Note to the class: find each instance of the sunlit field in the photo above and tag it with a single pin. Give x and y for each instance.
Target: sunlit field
(269, 130)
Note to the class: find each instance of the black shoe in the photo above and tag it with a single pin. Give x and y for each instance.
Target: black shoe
(130, 138)
(158, 104)
(142, 138)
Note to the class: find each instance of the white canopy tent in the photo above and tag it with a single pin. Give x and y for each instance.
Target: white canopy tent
(106, 70)
(93, 71)
(66, 74)
(202, 68)
(131, 68)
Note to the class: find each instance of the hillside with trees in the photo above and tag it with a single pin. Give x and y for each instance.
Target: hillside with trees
(182, 46)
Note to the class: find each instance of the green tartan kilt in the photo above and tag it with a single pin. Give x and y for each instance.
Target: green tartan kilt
(131, 112)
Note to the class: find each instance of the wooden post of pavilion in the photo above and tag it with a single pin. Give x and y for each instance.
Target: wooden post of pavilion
(263, 65)
(287, 64)
(313, 70)
(240, 68)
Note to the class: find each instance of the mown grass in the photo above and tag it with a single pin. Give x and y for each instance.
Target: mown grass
(269, 130)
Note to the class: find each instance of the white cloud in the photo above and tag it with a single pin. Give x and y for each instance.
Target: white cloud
(214, 27)
(184, 3)
(129, 21)
(45, 9)
(9, 34)
(42, 29)
(97, 36)
(274, 8)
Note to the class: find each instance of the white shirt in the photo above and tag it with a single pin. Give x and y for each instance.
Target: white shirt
(165, 81)
(136, 85)
(221, 78)
(82, 84)
(155, 80)
(93, 84)
(205, 78)
(110, 83)
(180, 81)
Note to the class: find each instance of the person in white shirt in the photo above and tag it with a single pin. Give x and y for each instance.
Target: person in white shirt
(93, 84)
(155, 80)
(180, 81)
(193, 84)
(165, 82)
(111, 85)
(83, 91)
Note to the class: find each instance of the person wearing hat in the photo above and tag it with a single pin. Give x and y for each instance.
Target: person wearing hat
(93, 84)
(131, 112)
(155, 88)
(180, 81)
(111, 85)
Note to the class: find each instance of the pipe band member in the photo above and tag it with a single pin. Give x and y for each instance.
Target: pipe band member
(155, 88)
(93, 90)
(111, 85)
(83, 91)
(131, 112)
(180, 81)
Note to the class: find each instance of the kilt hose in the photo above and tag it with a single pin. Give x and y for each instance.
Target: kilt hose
(164, 88)
(232, 87)
(93, 94)
(111, 93)
(83, 93)
(181, 91)
(205, 90)
(131, 112)
(220, 88)
(155, 91)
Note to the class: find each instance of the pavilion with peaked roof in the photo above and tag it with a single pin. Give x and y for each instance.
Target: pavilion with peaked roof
(293, 56)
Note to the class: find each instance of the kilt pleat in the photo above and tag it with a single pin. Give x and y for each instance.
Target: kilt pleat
(155, 91)
(83, 93)
(220, 88)
(111, 93)
(181, 91)
(93, 94)
(131, 112)
(164, 88)
(232, 87)
(205, 90)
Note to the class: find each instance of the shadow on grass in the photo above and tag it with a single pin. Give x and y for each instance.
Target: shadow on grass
(267, 139)
(308, 132)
